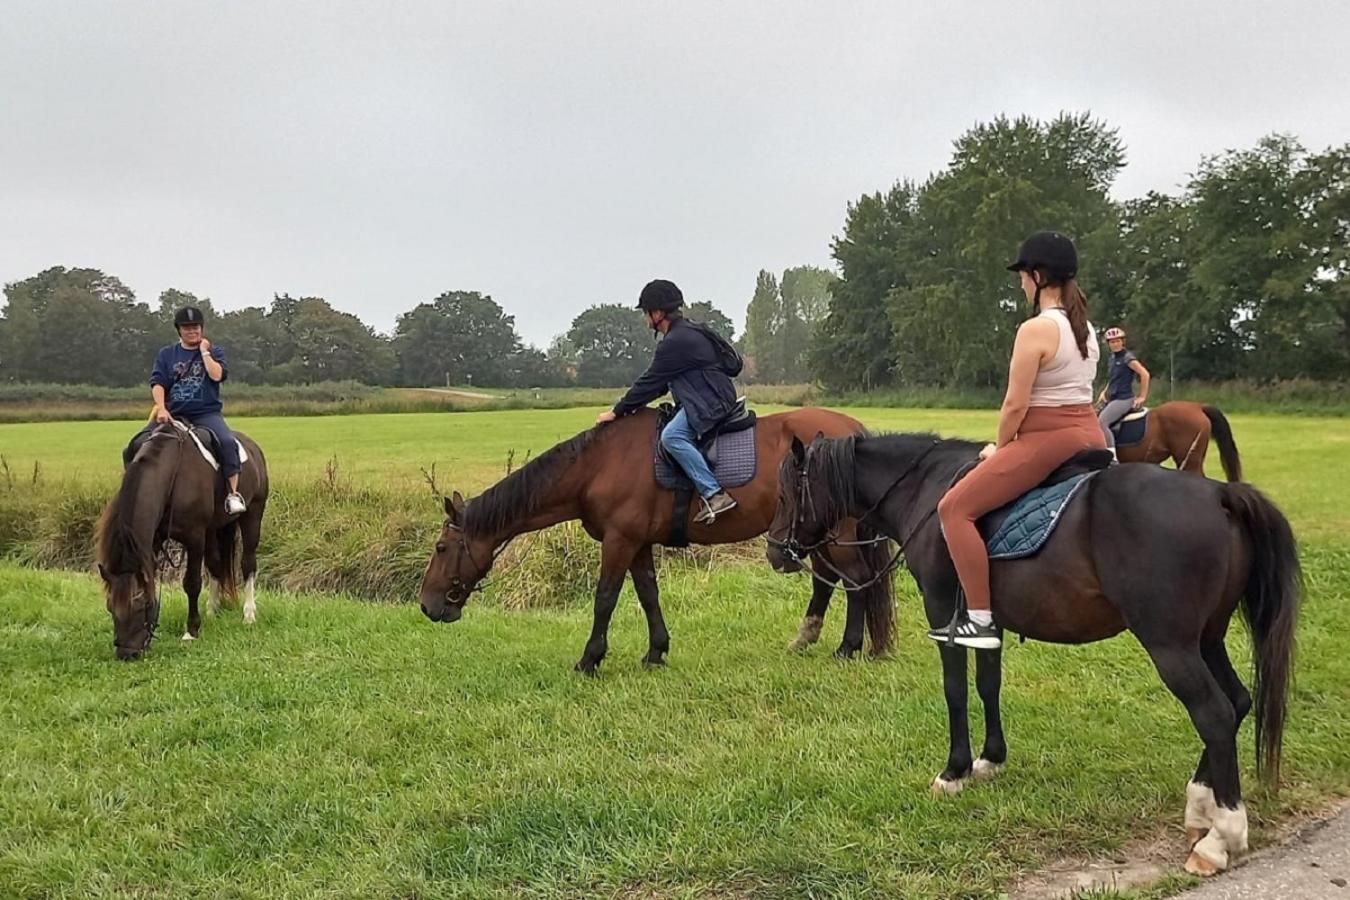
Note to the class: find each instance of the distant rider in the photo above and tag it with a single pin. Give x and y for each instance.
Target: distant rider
(185, 384)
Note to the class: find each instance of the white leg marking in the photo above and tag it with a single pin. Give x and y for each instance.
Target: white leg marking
(214, 603)
(985, 770)
(188, 637)
(1231, 824)
(1199, 810)
(943, 786)
(1211, 850)
(808, 634)
(250, 605)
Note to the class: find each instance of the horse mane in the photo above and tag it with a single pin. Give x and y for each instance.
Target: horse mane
(116, 545)
(833, 469)
(117, 548)
(520, 494)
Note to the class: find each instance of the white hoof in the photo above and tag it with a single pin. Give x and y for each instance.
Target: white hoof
(945, 787)
(188, 637)
(984, 770)
(250, 615)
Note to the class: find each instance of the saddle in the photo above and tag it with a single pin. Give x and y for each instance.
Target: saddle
(203, 439)
(1130, 429)
(730, 451)
(1022, 527)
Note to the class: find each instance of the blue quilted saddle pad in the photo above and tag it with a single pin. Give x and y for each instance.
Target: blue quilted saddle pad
(1022, 527)
(734, 467)
(1131, 432)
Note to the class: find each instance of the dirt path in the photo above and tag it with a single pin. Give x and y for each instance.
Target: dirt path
(472, 395)
(1312, 861)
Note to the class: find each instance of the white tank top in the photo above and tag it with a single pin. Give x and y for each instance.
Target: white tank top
(1066, 379)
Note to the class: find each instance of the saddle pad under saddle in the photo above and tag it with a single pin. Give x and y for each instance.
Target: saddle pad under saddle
(1130, 430)
(206, 452)
(735, 464)
(1022, 527)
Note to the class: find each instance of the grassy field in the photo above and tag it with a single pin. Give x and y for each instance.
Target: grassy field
(342, 748)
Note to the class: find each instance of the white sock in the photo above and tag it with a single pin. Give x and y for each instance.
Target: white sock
(981, 617)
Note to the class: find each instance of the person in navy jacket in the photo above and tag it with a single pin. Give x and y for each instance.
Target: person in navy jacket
(689, 364)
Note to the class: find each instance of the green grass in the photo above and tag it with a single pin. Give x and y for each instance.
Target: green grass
(342, 748)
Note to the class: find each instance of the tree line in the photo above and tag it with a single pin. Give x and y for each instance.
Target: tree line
(460, 337)
(1243, 274)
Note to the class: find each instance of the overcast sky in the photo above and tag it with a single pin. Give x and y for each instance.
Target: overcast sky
(556, 155)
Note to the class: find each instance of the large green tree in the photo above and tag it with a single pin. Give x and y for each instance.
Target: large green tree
(704, 311)
(612, 343)
(460, 337)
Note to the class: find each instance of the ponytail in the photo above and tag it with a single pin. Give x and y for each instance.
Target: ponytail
(1075, 305)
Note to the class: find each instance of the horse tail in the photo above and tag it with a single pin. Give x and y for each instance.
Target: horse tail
(1223, 435)
(226, 546)
(1274, 584)
(878, 598)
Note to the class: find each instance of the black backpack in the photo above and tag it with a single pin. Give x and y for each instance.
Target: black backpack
(728, 358)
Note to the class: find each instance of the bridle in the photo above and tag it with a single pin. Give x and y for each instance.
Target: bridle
(457, 584)
(796, 551)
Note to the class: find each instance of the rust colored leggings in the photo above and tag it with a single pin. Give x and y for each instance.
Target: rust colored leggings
(1048, 437)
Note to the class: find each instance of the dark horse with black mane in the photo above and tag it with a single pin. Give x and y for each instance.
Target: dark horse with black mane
(1167, 556)
(605, 477)
(170, 492)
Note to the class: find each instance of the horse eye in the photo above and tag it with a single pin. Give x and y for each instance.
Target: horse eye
(440, 548)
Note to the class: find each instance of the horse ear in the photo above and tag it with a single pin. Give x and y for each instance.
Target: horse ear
(798, 449)
(449, 508)
(454, 507)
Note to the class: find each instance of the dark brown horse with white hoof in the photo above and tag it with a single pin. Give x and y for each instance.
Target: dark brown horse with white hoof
(170, 492)
(1168, 557)
(606, 478)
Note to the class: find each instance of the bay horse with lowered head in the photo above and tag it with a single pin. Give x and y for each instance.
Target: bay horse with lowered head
(170, 492)
(1180, 430)
(605, 477)
(1167, 556)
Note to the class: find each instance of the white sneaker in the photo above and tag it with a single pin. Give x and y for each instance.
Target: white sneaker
(234, 504)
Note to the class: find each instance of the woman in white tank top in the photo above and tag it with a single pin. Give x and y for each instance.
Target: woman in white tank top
(1046, 418)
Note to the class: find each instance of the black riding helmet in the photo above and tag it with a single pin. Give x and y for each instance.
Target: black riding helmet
(188, 315)
(660, 294)
(1050, 251)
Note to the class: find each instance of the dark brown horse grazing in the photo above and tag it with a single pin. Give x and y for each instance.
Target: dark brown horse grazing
(605, 477)
(170, 491)
(1180, 431)
(1141, 548)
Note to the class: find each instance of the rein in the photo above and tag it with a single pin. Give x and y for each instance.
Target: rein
(795, 550)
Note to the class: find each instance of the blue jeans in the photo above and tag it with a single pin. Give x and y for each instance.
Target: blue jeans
(679, 439)
(214, 423)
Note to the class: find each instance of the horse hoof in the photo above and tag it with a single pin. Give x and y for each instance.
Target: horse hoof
(943, 787)
(797, 645)
(1198, 865)
(250, 617)
(984, 770)
(588, 669)
(1195, 835)
(188, 636)
(654, 662)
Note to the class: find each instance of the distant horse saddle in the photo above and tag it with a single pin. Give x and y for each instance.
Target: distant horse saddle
(202, 438)
(1130, 429)
(729, 449)
(1022, 527)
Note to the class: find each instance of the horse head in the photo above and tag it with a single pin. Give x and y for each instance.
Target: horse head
(800, 524)
(458, 564)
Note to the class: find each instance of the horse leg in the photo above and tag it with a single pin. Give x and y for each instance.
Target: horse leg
(250, 530)
(855, 619)
(1200, 803)
(643, 571)
(192, 586)
(1187, 676)
(988, 681)
(616, 555)
(953, 778)
(814, 620)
